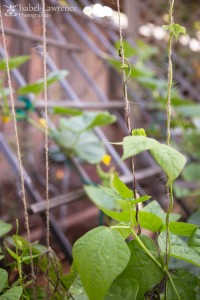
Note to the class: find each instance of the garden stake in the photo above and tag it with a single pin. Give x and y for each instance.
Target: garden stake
(23, 192)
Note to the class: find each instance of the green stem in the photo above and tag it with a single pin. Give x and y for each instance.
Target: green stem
(173, 285)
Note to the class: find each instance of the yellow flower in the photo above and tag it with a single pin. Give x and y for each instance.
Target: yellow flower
(5, 119)
(42, 122)
(106, 159)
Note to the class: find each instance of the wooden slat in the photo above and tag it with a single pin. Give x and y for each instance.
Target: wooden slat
(36, 38)
(82, 105)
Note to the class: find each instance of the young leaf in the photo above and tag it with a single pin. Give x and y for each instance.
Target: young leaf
(175, 29)
(141, 267)
(185, 283)
(13, 62)
(4, 279)
(20, 242)
(179, 249)
(121, 188)
(99, 197)
(140, 199)
(123, 289)
(13, 293)
(138, 132)
(12, 253)
(123, 216)
(100, 256)
(4, 228)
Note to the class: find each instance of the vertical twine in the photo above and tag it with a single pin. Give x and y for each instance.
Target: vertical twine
(18, 150)
(168, 108)
(46, 144)
(46, 121)
(127, 110)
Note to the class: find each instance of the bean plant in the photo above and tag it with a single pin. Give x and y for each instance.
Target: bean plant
(117, 261)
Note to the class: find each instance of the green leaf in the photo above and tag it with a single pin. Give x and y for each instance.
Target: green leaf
(141, 267)
(100, 256)
(140, 199)
(195, 218)
(4, 228)
(123, 289)
(37, 87)
(13, 62)
(194, 240)
(121, 188)
(179, 249)
(89, 148)
(13, 293)
(77, 290)
(87, 121)
(136, 144)
(175, 29)
(12, 253)
(57, 110)
(144, 50)
(56, 76)
(185, 283)
(170, 160)
(4, 279)
(4, 92)
(34, 88)
(20, 242)
(191, 172)
(150, 221)
(141, 49)
(123, 216)
(155, 208)
(99, 197)
(188, 111)
(86, 145)
(153, 84)
(181, 228)
(147, 220)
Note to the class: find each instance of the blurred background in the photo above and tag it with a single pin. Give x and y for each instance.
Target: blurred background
(84, 86)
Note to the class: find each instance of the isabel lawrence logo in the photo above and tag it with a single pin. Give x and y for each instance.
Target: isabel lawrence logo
(11, 12)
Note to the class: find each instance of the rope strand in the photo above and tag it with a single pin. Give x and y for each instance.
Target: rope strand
(127, 107)
(18, 150)
(46, 146)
